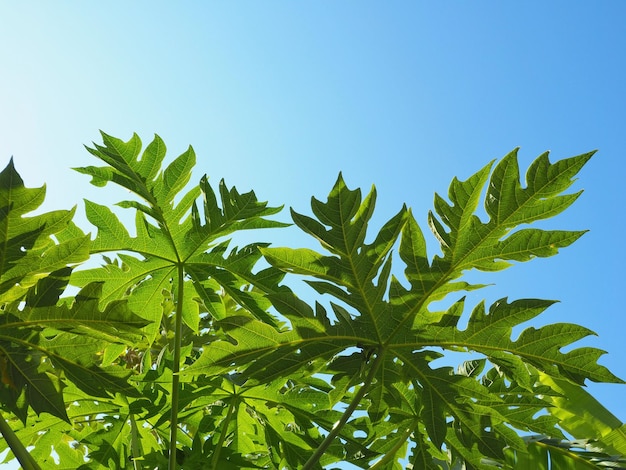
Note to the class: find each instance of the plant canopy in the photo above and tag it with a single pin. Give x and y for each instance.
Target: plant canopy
(183, 350)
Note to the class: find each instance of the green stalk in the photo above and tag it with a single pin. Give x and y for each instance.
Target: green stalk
(135, 443)
(391, 455)
(218, 448)
(578, 460)
(135, 440)
(18, 449)
(178, 328)
(328, 440)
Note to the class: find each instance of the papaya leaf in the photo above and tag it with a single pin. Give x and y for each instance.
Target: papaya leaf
(30, 381)
(115, 324)
(537, 347)
(582, 416)
(393, 325)
(173, 233)
(37, 256)
(184, 350)
(544, 452)
(28, 250)
(177, 266)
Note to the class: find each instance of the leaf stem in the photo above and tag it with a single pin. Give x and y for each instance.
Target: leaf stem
(218, 447)
(389, 456)
(178, 316)
(578, 460)
(313, 460)
(135, 442)
(18, 449)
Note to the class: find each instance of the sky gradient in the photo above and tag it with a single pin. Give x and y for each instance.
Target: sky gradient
(280, 96)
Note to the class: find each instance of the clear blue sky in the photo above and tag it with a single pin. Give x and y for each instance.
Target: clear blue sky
(280, 96)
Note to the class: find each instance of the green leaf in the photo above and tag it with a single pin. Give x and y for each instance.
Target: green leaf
(378, 312)
(28, 250)
(36, 258)
(170, 235)
(492, 331)
(183, 349)
(581, 415)
(571, 455)
(115, 324)
(488, 245)
(78, 357)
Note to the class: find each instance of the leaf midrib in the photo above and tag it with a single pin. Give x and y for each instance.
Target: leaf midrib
(359, 286)
(484, 347)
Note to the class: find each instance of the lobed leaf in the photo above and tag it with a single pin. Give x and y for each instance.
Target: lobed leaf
(28, 250)
(172, 236)
(378, 313)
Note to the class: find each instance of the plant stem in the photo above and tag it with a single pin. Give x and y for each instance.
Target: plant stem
(218, 448)
(578, 460)
(178, 317)
(135, 443)
(313, 460)
(18, 449)
(391, 455)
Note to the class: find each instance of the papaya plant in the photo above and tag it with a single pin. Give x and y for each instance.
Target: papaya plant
(184, 350)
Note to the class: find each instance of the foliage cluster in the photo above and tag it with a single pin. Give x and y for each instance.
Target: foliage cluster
(183, 351)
